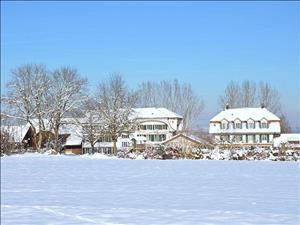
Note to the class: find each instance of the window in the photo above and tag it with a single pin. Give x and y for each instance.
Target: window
(125, 144)
(156, 137)
(105, 139)
(161, 137)
(238, 138)
(251, 125)
(150, 137)
(224, 126)
(264, 137)
(107, 150)
(250, 138)
(224, 138)
(238, 125)
(264, 125)
(125, 136)
(142, 127)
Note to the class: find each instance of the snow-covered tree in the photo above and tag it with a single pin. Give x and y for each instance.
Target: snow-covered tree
(67, 94)
(89, 119)
(27, 97)
(115, 103)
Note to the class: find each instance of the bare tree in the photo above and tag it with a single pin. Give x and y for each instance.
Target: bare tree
(284, 124)
(232, 95)
(116, 104)
(67, 94)
(5, 141)
(248, 94)
(26, 97)
(177, 97)
(269, 97)
(90, 121)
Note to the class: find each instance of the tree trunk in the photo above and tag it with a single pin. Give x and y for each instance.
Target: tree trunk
(35, 139)
(93, 147)
(40, 137)
(56, 139)
(48, 135)
(114, 147)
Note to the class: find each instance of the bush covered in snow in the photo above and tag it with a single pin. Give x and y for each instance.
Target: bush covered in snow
(215, 154)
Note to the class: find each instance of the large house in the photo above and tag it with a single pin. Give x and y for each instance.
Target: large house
(245, 127)
(154, 125)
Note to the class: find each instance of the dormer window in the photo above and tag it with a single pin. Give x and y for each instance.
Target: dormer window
(251, 124)
(264, 124)
(237, 124)
(224, 125)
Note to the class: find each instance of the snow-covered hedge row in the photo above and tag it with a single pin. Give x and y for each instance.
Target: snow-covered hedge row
(216, 154)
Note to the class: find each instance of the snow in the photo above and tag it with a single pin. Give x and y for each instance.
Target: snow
(154, 113)
(41, 189)
(73, 140)
(98, 156)
(245, 114)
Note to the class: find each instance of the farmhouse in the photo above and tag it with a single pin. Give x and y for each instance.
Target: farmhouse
(245, 127)
(155, 125)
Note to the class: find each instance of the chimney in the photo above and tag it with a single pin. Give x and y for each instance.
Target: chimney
(227, 106)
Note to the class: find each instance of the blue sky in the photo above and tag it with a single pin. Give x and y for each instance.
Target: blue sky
(204, 43)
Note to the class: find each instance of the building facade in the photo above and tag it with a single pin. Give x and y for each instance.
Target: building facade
(245, 127)
(154, 125)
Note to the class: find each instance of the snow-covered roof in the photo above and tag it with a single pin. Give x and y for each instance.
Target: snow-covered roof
(245, 114)
(140, 138)
(73, 140)
(189, 137)
(285, 138)
(154, 113)
(98, 145)
(17, 133)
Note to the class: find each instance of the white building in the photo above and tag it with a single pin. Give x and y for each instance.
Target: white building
(288, 140)
(245, 126)
(155, 125)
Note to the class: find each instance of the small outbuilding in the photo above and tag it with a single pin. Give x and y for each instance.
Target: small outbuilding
(73, 145)
(185, 142)
(288, 140)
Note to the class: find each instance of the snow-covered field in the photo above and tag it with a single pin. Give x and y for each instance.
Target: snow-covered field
(40, 189)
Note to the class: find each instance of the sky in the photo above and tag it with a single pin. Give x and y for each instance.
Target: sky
(206, 44)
